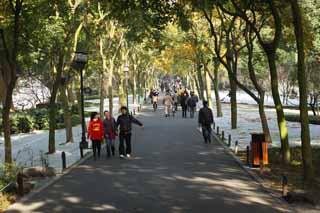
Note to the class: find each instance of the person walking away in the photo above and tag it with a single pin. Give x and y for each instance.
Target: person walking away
(95, 133)
(192, 103)
(205, 121)
(125, 121)
(168, 102)
(175, 100)
(155, 101)
(110, 133)
(183, 103)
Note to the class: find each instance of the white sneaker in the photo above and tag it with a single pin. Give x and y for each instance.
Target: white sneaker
(121, 156)
(128, 155)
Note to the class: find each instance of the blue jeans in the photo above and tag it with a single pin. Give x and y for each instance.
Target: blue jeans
(110, 146)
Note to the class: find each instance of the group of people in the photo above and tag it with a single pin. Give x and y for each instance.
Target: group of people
(107, 129)
(188, 102)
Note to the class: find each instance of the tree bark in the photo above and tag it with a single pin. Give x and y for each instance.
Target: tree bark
(200, 82)
(303, 91)
(208, 89)
(216, 89)
(57, 71)
(279, 108)
(12, 60)
(67, 114)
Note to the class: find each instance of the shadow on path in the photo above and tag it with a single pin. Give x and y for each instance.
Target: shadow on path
(171, 171)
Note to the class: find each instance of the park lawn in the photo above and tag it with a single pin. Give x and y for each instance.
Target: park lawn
(296, 118)
(294, 171)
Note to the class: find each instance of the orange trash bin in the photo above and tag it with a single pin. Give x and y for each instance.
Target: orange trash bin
(259, 149)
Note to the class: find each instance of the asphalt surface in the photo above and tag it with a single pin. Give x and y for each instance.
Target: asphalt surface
(171, 170)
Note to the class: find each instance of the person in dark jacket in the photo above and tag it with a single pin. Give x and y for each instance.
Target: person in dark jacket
(192, 103)
(125, 122)
(183, 103)
(205, 121)
(110, 132)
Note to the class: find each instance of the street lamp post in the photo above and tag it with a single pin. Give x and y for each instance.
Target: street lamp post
(79, 63)
(126, 71)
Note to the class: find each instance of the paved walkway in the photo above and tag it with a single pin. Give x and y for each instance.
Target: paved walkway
(171, 171)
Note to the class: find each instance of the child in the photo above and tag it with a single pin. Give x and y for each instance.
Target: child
(95, 133)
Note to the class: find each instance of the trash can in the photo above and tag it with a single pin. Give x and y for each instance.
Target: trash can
(259, 149)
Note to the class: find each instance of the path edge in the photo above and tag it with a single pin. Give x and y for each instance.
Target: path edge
(254, 176)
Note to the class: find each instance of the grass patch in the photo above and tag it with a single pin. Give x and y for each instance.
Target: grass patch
(296, 118)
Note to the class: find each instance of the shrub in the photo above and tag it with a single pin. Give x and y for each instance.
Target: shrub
(25, 123)
(41, 120)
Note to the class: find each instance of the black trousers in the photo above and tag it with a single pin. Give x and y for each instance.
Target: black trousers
(125, 149)
(184, 111)
(192, 111)
(206, 132)
(96, 146)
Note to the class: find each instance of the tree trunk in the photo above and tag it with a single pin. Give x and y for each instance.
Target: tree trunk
(6, 120)
(110, 88)
(122, 92)
(216, 90)
(279, 108)
(66, 113)
(57, 72)
(233, 101)
(102, 94)
(134, 87)
(71, 97)
(208, 89)
(264, 121)
(200, 82)
(302, 80)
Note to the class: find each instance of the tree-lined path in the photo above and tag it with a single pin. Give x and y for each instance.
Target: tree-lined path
(171, 171)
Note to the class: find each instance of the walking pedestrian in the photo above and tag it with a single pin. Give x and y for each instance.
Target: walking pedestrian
(168, 102)
(192, 103)
(205, 121)
(125, 122)
(155, 101)
(95, 133)
(183, 103)
(175, 100)
(110, 133)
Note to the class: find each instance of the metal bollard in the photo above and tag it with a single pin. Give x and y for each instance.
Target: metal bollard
(217, 130)
(236, 147)
(284, 186)
(222, 135)
(81, 151)
(20, 184)
(229, 140)
(134, 111)
(214, 125)
(64, 162)
(139, 109)
(248, 156)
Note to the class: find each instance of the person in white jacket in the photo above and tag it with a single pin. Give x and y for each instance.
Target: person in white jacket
(168, 102)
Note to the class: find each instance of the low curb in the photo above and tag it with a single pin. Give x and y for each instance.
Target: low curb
(59, 176)
(50, 182)
(254, 176)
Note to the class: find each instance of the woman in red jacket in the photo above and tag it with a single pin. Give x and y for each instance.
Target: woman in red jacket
(95, 133)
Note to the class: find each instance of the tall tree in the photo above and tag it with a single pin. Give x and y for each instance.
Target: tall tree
(11, 46)
(303, 94)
